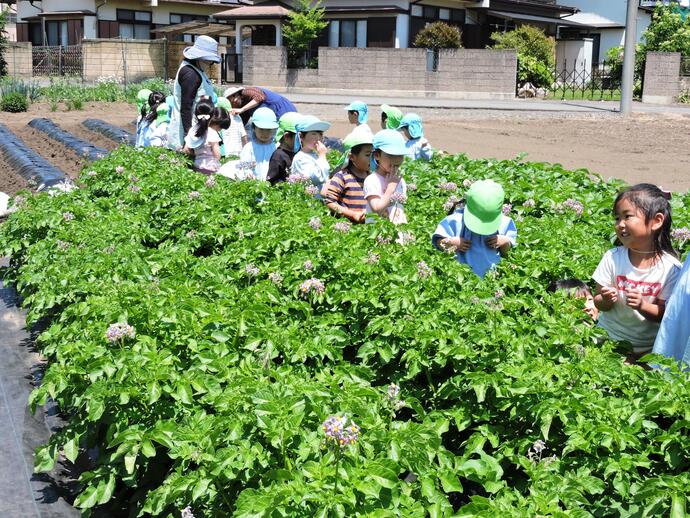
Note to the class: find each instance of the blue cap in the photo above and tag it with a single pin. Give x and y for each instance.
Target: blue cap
(413, 123)
(391, 142)
(311, 123)
(264, 118)
(362, 111)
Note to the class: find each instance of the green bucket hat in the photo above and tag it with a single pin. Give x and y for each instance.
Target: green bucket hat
(393, 116)
(162, 114)
(222, 102)
(287, 122)
(356, 138)
(143, 98)
(484, 208)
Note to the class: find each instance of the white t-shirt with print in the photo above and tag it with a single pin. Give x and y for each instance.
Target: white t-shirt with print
(232, 137)
(616, 271)
(375, 185)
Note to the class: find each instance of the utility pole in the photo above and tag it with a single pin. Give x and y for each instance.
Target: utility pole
(628, 80)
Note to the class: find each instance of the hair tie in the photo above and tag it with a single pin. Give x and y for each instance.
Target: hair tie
(203, 117)
(665, 194)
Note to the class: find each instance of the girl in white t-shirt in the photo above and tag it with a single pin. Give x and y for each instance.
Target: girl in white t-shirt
(203, 140)
(634, 280)
(384, 189)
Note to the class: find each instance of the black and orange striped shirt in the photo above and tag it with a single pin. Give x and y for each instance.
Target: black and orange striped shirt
(346, 189)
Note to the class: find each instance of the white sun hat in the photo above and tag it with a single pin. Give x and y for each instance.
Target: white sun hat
(205, 48)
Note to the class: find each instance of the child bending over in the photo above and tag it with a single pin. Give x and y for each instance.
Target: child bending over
(478, 233)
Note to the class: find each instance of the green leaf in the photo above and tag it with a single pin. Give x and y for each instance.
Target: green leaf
(45, 458)
(71, 449)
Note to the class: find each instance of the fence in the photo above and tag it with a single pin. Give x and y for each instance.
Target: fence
(602, 82)
(57, 61)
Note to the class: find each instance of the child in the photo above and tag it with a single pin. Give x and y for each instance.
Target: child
(358, 115)
(235, 138)
(311, 161)
(390, 117)
(577, 289)
(142, 109)
(417, 146)
(156, 134)
(203, 140)
(384, 189)
(478, 232)
(673, 339)
(256, 154)
(344, 193)
(281, 160)
(635, 280)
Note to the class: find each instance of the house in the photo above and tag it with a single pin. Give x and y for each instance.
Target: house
(11, 23)
(605, 23)
(67, 22)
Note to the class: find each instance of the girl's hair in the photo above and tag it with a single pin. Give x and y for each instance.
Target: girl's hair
(155, 100)
(460, 204)
(221, 117)
(650, 201)
(571, 286)
(203, 112)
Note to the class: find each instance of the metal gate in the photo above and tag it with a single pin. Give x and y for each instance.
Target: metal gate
(57, 61)
(600, 83)
(231, 69)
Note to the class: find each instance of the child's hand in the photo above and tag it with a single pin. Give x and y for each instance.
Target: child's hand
(609, 294)
(359, 216)
(497, 241)
(321, 149)
(633, 298)
(455, 244)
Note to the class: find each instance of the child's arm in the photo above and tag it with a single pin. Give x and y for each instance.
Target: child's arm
(502, 243)
(605, 297)
(379, 204)
(652, 311)
(245, 139)
(426, 152)
(451, 244)
(215, 148)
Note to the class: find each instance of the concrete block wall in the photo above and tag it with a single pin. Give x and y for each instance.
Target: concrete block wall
(480, 74)
(19, 60)
(135, 59)
(661, 78)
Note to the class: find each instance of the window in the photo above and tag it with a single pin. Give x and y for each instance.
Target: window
(134, 24)
(421, 16)
(348, 33)
(56, 33)
(381, 32)
(184, 18)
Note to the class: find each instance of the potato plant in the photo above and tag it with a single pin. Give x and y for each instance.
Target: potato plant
(231, 349)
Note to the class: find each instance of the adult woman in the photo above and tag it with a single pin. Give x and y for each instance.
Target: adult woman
(191, 84)
(247, 99)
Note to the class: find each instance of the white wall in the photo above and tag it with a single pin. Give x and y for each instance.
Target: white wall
(574, 56)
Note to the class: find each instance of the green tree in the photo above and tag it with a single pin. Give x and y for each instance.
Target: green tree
(303, 26)
(535, 51)
(668, 32)
(3, 42)
(439, 35)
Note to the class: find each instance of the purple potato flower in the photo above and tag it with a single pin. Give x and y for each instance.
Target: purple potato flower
(312, 285)
(315, 223)
(194, 195)
(423, 270)
(340, 431)
(251, 270)
(681, 234)
(342, 226)
(119, 331)
(67, 216)
(448, 186)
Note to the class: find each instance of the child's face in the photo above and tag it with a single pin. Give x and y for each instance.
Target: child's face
(264, 136)
(388, 164)
(353, 117)
(362, 160)
(590, 308)
(384, 120)
(288, 141)
(310, 138)
(632, 229)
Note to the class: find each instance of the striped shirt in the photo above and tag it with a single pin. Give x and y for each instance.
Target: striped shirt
(345, 189)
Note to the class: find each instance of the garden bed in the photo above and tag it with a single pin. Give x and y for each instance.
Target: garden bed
(10, 182)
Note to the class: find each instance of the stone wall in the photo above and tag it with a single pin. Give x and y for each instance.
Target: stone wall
(134, 59)
(661, 78)
(462, 73)
(19, 59)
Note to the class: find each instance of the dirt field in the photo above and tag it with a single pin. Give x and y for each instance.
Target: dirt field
(642, 148)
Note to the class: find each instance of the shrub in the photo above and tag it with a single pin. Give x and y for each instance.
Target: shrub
(535, 50)
(668, 32)
(439, 35)
(14, 102)
(303, 26)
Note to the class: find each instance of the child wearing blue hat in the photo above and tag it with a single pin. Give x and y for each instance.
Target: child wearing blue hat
(358, 115)
(477, 232)
(384, 189)
(413, 131)
(311, 161)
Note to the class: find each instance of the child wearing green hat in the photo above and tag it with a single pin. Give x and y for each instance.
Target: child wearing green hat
(478, 233)
(390, 117)
(344, 192)
(384, 189)
(281, 159)
(235, 137)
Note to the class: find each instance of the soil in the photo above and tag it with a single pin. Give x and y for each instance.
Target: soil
(645, 147)
(10, 182)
